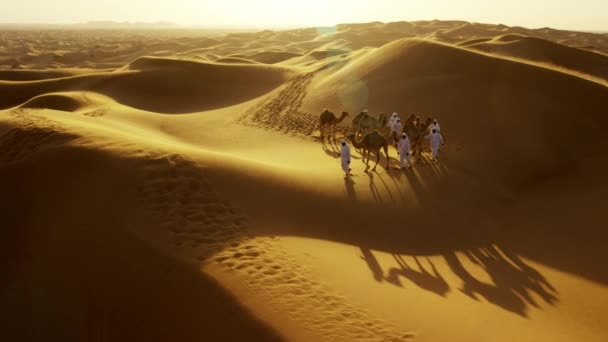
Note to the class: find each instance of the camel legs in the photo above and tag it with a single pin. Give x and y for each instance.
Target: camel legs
(333, 132)
(364, 155)
(387, 158)
(377, 159)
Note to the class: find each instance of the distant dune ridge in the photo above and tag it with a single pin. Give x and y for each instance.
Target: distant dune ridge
(172, 185)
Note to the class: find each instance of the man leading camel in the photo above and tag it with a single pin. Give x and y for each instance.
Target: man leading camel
(436, 141)
(404, 150)
(345, 157)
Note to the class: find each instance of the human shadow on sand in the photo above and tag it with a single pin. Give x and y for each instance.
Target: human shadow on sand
(349, 185)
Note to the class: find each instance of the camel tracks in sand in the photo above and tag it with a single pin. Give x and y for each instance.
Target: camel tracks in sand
(289, 287)
(281, 110)
(96, 112)
(180, 196)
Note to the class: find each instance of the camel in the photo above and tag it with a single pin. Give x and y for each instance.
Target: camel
(356, 120)
(329, 121)
(412, 120)
(416, 131)
(364, 122)
(371, 142)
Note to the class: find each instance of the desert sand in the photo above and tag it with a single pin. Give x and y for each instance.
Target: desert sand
(170, 185)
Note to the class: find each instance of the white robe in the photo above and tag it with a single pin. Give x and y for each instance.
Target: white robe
(436, 140)
(396, 131)
(345, 157)
(434, 126)
(397, 127)
(392, 121)
(404, 151)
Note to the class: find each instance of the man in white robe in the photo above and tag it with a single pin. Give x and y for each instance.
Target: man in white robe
(404, 151)
(345, 157)
(392, 120)
(436, 141)
(434, 126)
(396, 129)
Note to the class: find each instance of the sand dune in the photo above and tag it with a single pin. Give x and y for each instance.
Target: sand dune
(177, 85)
(231, 221)
(32, 75)
(111, 283)
(540, 50)
(476, 87)
(42, 50)
(272, 57)
(236, 60)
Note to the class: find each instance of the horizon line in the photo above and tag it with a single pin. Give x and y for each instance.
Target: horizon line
(257, 26)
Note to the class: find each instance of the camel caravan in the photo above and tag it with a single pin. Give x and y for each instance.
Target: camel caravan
(370, 134)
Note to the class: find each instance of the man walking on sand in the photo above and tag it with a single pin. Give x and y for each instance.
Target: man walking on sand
(392, 120)
(404, 151)
(436, 141)
(345, 157)
(396, 129)
(434, 126)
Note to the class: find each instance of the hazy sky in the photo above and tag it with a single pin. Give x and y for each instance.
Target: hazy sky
(569, 14)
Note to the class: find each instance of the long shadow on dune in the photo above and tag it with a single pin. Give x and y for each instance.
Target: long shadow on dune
(372, 263)
(373, 188)
(349, 185)
(433, 227)
(331, 148)
(422, 278)
(513, 281)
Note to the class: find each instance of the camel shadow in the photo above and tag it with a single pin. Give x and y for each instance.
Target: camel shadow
(372, 263)
(513, 287)
(331, 149)
(373, 188)
(424, 279)
(514, 282)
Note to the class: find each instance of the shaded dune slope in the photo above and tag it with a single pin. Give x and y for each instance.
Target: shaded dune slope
(101, 278)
